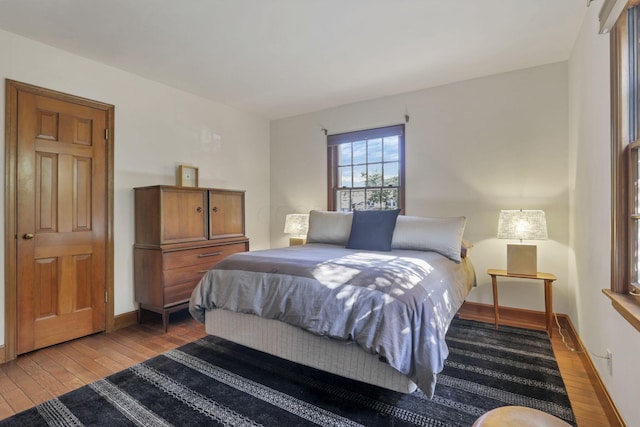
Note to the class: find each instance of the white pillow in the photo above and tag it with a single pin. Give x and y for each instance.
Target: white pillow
(329, 227)
(442, 235)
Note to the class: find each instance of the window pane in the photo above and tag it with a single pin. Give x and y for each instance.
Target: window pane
(359, 176)
(344, 201)
(391, 174)
(344, 154)
(391, 148)
(634, 232)
(634, 66)
(373, 199)
(636, 183)
(344, 176)
(359, 152)
(374, 151)
(635, 266)
(390, 198)
(374, 177)
(357, 200)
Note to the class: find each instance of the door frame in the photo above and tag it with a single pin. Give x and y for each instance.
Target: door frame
(10, 233)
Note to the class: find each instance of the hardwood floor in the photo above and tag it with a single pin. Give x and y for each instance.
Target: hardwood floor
(43, 374)
(586, 401)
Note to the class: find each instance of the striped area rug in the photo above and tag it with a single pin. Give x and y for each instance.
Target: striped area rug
(214, 382)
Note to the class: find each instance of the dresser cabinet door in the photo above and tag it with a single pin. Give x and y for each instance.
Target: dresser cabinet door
(184, 216)
(226, 213)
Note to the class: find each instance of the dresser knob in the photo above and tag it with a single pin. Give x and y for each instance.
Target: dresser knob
(199, 209)
(215, 209)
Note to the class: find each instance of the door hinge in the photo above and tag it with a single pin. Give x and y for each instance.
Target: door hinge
(106, 134)
(106, 296)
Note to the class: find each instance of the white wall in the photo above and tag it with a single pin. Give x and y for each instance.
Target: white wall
(600, 326)
(472, 148)
(156, 127)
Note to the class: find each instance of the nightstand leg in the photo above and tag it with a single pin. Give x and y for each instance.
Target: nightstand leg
(494, 283)
(548, 305)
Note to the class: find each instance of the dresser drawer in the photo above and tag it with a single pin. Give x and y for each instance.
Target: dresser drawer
(191, 273)
(207, 256)
(179, 293)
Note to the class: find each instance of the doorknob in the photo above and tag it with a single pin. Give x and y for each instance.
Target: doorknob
(27, 236)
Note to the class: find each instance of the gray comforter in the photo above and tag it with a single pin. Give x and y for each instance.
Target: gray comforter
(396, 304)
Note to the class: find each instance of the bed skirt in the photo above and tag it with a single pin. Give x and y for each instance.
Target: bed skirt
(346, 359)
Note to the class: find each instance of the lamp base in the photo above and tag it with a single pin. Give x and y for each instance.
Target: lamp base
(522, 259)
(295, 241)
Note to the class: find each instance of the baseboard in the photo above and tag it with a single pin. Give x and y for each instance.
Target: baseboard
(508, 316)
(125, 319)
(3, 357)
(536, 320)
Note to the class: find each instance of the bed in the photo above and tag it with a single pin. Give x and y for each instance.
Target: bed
(369, 297)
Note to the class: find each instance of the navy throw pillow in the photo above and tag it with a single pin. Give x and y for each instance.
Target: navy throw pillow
(372, 230)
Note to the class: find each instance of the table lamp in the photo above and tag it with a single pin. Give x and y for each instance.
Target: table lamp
(296, 225)
(522, 225)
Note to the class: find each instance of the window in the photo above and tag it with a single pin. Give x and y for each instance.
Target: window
(625, 163)
(366, 169)
(624, 152)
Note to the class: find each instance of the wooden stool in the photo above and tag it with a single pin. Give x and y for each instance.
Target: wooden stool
(518, 416)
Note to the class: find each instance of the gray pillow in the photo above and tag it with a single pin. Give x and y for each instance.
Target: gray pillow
(442, 235)
(329, 227)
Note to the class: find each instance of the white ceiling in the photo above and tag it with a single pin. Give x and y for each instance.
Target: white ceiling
(281, 58)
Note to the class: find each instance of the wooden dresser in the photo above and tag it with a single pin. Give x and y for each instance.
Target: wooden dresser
(181, 232)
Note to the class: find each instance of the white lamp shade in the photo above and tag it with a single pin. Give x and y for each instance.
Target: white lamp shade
(522, 225)
(296, 224)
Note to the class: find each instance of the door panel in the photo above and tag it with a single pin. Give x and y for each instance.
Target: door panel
(61, 203)
(46, 192)
(82, 197)
(46, 279)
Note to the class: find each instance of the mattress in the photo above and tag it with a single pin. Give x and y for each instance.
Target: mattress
(344, 358)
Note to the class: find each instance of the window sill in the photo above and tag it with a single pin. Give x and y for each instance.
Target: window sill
(627, 305)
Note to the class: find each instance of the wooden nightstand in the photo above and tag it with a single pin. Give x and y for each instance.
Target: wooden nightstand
(548, 293)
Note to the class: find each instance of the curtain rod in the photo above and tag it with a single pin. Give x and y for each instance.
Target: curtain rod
(326, 132)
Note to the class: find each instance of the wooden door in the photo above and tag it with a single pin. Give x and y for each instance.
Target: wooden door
(62, 219)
